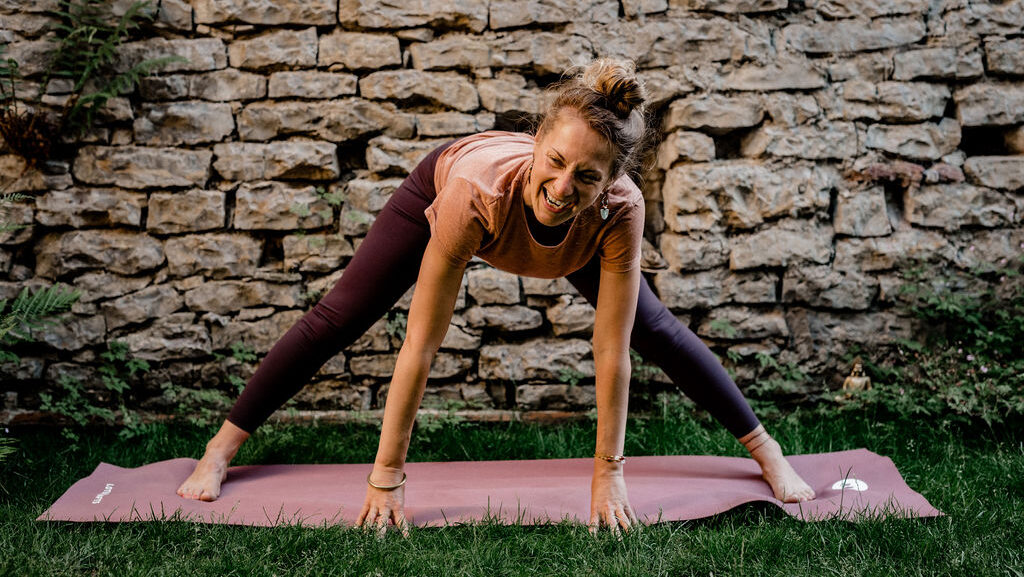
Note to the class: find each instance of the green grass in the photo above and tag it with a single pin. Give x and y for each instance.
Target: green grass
(972, 474)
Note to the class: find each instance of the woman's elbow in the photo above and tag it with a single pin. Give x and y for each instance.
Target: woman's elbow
(421, 349)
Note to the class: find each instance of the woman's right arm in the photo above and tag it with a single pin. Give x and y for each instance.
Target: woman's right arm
(433, 301)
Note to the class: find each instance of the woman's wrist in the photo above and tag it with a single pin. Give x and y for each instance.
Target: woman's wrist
(386, 476)
(608, 468)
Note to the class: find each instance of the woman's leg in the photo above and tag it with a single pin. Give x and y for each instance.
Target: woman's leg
(661, 339)
(380, 272)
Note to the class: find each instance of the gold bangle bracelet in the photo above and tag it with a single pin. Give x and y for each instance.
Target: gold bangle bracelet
(611, 458)
(386, 487)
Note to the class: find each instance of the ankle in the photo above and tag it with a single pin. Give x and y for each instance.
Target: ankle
(756, 441)
(226, 442)
(221, 451)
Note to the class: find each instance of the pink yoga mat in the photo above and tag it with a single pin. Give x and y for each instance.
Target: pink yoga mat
(849, 485)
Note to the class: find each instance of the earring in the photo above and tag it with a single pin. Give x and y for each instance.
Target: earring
(604, 205)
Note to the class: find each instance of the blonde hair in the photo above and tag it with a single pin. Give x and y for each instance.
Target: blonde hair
(609, 97)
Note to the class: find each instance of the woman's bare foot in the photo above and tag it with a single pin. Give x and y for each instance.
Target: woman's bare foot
(786, 484)
(211, 471)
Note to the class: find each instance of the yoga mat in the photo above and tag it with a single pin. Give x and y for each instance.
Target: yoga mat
(850, 485)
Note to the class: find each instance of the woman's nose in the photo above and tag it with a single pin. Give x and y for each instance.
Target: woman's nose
(563, 185)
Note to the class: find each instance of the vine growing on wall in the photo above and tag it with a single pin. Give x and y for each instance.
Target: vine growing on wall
(85, 58)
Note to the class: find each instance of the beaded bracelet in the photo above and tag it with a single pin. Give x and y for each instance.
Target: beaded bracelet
(611, 458)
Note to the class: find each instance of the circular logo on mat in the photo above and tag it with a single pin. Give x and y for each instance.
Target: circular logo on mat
(852, 484)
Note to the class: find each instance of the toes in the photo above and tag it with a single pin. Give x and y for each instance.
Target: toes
(798, 496)
(197, 490)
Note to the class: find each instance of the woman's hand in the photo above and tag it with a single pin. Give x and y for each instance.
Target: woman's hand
(383, 506)
(437, 288)
(616, 308)
(609, 504)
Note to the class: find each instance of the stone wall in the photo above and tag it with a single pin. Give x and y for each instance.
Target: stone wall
(809, 151)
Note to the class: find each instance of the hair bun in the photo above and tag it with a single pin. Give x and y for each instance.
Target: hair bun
(617, 82)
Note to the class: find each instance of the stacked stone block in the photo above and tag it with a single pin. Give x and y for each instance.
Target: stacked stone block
(808, 151)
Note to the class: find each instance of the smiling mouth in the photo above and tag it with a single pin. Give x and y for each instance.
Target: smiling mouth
(554, 204)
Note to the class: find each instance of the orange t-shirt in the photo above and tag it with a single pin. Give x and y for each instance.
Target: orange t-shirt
(479, 211)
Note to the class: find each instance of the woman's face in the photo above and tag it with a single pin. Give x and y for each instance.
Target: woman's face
(571, 167)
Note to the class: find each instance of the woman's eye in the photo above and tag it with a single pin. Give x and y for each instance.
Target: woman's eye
(587, 179)
(555, 162)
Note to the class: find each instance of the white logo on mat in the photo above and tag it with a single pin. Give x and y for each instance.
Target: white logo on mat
(106, 491)
(850, 483)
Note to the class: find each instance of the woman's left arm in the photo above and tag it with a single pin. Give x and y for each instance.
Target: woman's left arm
(616, 307)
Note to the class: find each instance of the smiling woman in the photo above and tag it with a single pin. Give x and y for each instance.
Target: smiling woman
(568, 171)
(558, 204)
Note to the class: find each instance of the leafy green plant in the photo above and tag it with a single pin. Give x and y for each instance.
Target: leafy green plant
(675, 405)
(777, 385)
(395, 325)
(244, 354)
(336, 198)
(300, 209)
(74, 403)
(88, 40)
(117, 373)
(967, 365)
(570, 376)
(6, 202)
(311, 297)
(642, 372)
(31, 311)
(303, 209)
(207, 406)
(778, 377)
(199, 407)
(724, 327)
(119, 367)
(444, 417)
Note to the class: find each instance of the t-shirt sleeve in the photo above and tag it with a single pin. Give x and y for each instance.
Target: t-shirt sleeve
(459, 219)
(619, 249)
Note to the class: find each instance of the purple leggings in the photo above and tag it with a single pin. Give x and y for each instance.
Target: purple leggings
(386, 265)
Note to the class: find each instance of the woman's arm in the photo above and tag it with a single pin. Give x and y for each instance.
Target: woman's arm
(616, 307)
(433, 300)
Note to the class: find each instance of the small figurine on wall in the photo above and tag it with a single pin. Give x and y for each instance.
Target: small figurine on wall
(857, 381)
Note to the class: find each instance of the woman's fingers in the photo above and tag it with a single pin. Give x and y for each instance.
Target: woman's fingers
(377, 519)
(613, 521)
(634, 522)
(382, 522)
(618, 518)
(624, 521)
(628, 511)
(370, 518)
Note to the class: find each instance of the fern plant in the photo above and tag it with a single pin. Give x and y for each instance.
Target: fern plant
(6, 201)
(88, 39)
(32, 311)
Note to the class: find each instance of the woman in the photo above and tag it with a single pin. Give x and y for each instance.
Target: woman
(559, 204)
